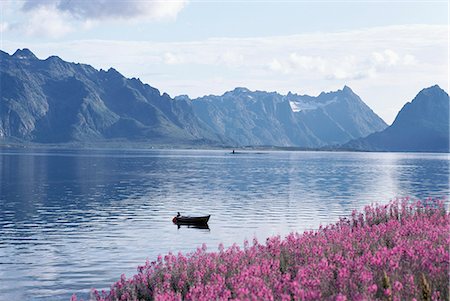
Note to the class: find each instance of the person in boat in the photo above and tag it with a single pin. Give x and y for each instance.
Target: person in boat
(178, 214)
(233, 151)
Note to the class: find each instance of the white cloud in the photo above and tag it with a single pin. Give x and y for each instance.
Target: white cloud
(231, 59)
(409, 59)
(276, 66)
(56, 18)
(171, 59)
(296, 63)
(45, 21)
(102, 10)
(345, 67)
(5, 4)
(4, 26)
(392, 57)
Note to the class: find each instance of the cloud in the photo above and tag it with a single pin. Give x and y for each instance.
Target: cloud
(45, 21)
(346, 67)
(113, 9)
(170, 59)
(4, 26)
(56, 18)
(231, 59)
(391, 58)
(388, 57)
(296, 62)
(5, 4)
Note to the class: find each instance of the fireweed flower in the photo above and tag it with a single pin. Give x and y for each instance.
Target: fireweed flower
(398, 251)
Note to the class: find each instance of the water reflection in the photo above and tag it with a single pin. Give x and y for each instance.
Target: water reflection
(201, 227)
(75, 219)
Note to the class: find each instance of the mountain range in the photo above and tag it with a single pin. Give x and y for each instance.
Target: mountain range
(54, 101)
(263, 118)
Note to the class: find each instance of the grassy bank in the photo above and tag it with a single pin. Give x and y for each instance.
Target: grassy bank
(398, 251)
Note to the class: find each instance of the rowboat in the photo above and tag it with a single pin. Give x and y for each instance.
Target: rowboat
(191, 220)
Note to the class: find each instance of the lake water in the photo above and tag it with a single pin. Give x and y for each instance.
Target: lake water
(71, 220)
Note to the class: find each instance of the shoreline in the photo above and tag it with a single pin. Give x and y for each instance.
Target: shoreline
(145, 146)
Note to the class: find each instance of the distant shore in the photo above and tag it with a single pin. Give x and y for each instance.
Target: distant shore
(126, 145)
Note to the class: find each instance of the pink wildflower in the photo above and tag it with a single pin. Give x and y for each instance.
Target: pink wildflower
(395, 250)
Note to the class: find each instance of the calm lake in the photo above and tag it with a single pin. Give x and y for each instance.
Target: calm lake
(71, 220)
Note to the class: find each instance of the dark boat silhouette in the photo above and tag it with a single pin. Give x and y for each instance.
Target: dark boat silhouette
(191, 220)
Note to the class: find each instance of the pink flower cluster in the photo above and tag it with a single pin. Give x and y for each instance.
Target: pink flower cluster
(398, 251)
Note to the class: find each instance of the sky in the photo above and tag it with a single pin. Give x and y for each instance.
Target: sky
(386, 51)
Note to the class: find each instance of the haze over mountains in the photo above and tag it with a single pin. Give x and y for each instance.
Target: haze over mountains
(53, 101)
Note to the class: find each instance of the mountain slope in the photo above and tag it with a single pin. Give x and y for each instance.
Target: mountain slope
(421, 125)
(263, 118)
(53, 101)
(336, 117)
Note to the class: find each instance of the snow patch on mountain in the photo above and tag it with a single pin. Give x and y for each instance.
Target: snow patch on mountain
(300, 105)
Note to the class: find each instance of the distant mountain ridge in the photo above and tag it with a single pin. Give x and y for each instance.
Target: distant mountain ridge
(54, 101)
(422, 125)
(269, 118)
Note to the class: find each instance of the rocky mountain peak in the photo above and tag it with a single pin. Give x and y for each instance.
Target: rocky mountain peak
(240, 90)
(24, 54)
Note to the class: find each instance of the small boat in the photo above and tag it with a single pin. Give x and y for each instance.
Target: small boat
(191, 220)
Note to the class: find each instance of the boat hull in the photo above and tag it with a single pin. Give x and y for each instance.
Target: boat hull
(191, 220)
